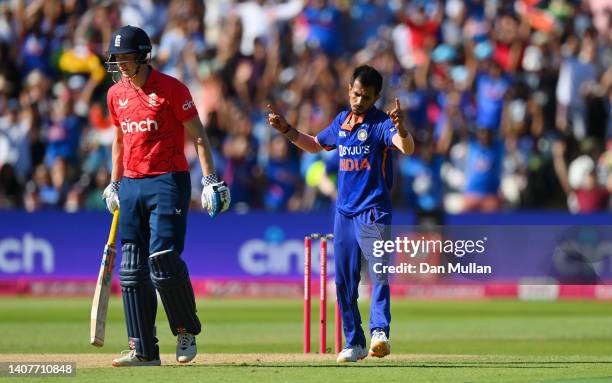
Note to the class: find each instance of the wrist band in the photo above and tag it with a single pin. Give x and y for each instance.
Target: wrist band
(209, 179)
(291, 131)
(286, 131)
(115, 186)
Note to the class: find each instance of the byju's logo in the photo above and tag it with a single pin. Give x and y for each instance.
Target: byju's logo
(18, 255)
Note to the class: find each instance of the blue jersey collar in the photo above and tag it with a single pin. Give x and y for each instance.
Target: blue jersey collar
(346, 124)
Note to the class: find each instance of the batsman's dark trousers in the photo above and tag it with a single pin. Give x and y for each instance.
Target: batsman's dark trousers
(152, 226)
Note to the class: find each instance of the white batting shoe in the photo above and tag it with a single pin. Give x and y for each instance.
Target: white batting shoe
(130, 359)
(352, 354)
(186, 348)
(379, 345)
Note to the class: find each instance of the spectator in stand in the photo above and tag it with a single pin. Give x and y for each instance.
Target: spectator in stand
(577, 71)
(80, 63)
(258, 17)
(579, 180)
(422, 178)
(491, 85)
(11, 193)
(63, 133)
(483, 172)
(150, 15)
(368, 19)
(40, 191)
(14, 141)
(281, 176)
(35, 49)
(92, 200)
(321, 21)
(423, 20)
(528, 72)
(181, 44)
(241, 171)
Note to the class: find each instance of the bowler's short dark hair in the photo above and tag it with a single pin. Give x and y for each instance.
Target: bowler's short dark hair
(368, 76)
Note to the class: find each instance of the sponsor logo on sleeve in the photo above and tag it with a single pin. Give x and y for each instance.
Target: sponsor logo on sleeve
(188, 104)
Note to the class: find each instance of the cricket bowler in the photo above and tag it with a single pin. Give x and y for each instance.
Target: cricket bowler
(364, 137)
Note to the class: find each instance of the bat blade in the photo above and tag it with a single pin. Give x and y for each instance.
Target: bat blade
(99, 306)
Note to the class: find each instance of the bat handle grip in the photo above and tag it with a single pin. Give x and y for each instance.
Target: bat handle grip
(113, 231)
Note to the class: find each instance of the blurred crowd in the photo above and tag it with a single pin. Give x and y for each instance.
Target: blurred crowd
(509, 101)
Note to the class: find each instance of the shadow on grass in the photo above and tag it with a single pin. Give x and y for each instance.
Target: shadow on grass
(391, 364)
(253, 365)
(580, 380)
(552, 362)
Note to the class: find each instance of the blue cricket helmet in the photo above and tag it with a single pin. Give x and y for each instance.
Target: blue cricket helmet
(129, 39)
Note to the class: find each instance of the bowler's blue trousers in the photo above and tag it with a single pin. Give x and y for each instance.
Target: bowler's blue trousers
(354, 236)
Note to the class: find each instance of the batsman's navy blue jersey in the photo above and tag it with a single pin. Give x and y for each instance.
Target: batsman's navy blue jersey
(365, 173)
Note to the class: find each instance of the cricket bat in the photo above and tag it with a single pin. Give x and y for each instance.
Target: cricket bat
(99, 307)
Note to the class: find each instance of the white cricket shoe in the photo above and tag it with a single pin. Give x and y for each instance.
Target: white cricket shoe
(352, 354)
(130, 359)
(379, 345)
(185, 347)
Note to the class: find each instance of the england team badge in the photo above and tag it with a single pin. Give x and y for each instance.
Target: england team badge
(153, 101)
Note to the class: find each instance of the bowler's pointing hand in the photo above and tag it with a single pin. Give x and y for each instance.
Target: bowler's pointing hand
(277, 121)
(396, 116)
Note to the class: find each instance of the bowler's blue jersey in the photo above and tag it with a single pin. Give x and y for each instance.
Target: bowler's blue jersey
(365, 172)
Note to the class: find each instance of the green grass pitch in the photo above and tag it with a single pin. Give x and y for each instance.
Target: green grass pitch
(261, 341)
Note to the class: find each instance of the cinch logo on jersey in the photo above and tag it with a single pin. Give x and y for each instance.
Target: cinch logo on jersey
(354, 164)
(188, 105)
(147, 125)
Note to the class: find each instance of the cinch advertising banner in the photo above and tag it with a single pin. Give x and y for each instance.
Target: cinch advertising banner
(270, 247)
(62, 245)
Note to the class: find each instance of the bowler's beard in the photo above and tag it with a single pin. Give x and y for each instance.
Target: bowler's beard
(356, 111)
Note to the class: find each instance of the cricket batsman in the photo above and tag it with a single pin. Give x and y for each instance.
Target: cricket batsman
(150, 180)
(363, 135)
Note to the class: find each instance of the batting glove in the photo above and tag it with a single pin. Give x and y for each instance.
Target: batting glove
(216, 196)
(111, 196)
